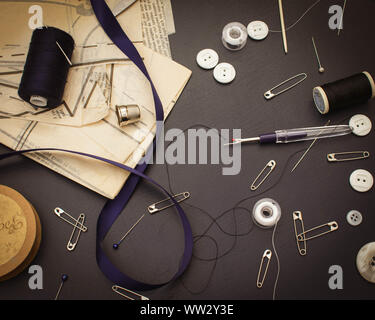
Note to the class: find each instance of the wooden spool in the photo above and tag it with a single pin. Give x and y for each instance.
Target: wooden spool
(20, 233)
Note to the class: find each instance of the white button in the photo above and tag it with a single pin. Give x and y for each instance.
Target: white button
(207, 59)
(361, 125)
(224, 72)
(354, 218)
(257, 30)
(361, 180)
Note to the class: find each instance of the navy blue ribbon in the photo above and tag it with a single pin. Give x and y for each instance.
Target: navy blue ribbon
(113, 208)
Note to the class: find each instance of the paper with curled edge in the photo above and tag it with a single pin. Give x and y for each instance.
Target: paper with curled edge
(104, 138)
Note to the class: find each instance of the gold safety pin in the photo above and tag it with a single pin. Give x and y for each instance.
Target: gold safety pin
(297, 216)
(59, 212)
(269, 94)
(266, 255)
(153, 207)
(271, 165)
(118, 289)
(333, 226)
(71, 245)
(332, 157)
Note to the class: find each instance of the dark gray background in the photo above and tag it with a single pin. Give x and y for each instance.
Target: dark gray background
(319, 189)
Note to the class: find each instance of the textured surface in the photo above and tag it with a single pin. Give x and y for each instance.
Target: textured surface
(319, 189)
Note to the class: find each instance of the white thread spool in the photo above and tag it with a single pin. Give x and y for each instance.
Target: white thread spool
(234, 36)
(266, 213)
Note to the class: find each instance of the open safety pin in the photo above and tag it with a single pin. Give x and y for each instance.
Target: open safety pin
(118, 289)
(266, 255)
(71, 245)
(271, 165)
(59, 212)
(332, 227)
(269, 94)
(153, 207)
(297, 216)
(331, 157)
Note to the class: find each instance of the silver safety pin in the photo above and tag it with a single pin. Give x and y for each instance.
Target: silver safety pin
(331, 225)
(297, 216)
(59, 212)
(153, 207)
(71, 245)
(271, 165)
(118, 289)
(332, 157)
(269, 94)
(266, 255)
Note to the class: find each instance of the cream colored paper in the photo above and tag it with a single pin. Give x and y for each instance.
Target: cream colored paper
(104, 138)
(86, 98)
(73, 16)
(154, 27)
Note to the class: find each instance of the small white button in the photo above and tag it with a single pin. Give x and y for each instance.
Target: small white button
(257, 30)
(224, 73)
(361, 125)
(354, 218)
(361, 180)
(207, 59)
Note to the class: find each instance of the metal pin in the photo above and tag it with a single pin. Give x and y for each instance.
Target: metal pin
(266, 255)
(152, 209)
(333, 226)
(64, 277)
(183, 196)
(116, 245)
(297, 216)
(332, 157)
(271, 165)
(321, 69)
(283, 31)
(308, 149)
(66, 57)
(269, 94)
(118, 289)
(59, 212)
(71, 245)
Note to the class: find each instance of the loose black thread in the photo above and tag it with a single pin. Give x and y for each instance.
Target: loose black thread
(214, 221)
(46, 68)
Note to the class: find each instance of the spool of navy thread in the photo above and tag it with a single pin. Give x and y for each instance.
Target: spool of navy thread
(46, 68)
(343, 93)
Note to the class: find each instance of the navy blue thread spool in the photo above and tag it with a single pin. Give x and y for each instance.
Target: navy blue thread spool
(46, 68)
(344, 93)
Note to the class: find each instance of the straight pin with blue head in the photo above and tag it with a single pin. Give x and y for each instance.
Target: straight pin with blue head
(64, 277)
(153, 208)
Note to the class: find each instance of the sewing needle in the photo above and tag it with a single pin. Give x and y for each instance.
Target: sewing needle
(308, 149)
(342, 17)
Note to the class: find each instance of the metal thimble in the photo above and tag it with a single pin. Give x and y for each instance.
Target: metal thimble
(127, 114)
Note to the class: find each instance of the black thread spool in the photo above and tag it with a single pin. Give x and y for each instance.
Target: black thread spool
(347, 92)
(46, 68)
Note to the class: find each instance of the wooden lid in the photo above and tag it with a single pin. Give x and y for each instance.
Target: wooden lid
(20, 233)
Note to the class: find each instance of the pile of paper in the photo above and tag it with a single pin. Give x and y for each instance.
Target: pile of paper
(101, 78)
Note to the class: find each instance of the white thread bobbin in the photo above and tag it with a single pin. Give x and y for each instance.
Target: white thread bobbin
(266, 213)
(234, 36)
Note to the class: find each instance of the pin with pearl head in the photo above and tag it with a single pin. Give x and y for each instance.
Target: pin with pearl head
(321, 69)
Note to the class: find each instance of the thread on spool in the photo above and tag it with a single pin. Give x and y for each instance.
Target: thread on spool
(46, 68)
(234, 36)
(344, 93)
